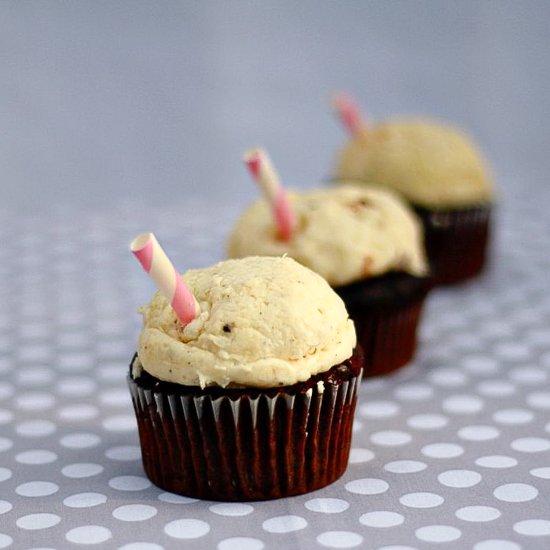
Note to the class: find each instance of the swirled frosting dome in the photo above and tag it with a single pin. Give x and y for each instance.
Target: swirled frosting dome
(343, 233)
(431, 164)
(263, 322)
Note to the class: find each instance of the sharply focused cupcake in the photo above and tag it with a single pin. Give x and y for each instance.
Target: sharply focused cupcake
(253, 396)
(439, 170)
(364, 241)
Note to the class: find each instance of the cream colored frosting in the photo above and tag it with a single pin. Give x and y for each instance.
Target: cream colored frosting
(263, 322)
(430, 164)
(345, 234)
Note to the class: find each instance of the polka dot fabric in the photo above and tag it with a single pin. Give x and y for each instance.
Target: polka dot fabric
(452, 451)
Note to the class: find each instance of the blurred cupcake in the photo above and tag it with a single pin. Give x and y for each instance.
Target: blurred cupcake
(439, 170)
(254, 398)
(365, 242)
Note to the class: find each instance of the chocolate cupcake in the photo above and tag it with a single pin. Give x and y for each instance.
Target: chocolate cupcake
(254, 398)
(368, 245)
(441, 173)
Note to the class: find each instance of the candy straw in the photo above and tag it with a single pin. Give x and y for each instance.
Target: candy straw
(264, 174)
(349, 113)
(156, 263)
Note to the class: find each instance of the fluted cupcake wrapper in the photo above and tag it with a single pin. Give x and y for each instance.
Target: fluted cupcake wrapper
(456, 241)
(386, 311)
(388, 336)
(251, 447)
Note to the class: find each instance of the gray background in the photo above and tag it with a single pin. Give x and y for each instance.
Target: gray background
(119, 117)
(102, 101)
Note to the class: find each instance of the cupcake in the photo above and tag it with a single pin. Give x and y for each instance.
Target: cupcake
(368, 245)
(254, 398)
(441, 173)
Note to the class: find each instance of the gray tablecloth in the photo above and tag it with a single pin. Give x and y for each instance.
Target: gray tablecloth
(453, 449)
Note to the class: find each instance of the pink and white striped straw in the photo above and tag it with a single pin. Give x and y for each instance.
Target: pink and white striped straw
(156, 263)
(264, 174)
(349, 113)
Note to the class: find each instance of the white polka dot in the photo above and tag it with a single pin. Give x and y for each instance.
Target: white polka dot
(85, 500)
(496, 388)
(116, 397)
(478, 433)
(421, 500)
(241, 543)
(76, 386)
(357, 425)
(327, 505)
(516, 492)
(80, 440)
(513, 416)
(176, 499)
(5, 540)
(34, 376)
(5, 473)
(5, 444)
(533, 527)
(413, 392)
(539, 400)
(120, 423)
(35, 401)
(530, 444)
(78, 412)
(438, 533)
(339, 539)
(231, 509)
(134, 512)
(462, 404)
(447, 377)
(34, 353)
(381, 519)
(480, 364)
(459, 479)
(512, 351)
(284, 524)
(405, 466)
(129, 483)
(442, 450)
(367, 486)
(81, 469)
(427, 421)
(373, 385)
(496, 544)
(390, 438)
(74, 361)
(186, 528)
(496, 461)
(379, 409)
(37, 489)
(34, 522)
(543, 473)
(6, 390)
(111, 373)
(5, 416)
(38, 456)
(396, 547)
(35, 428)
(527, 375)
(143, 546)
(359, 455)
(5, 507)
(88, 534)
(478, 513)
(124, 453)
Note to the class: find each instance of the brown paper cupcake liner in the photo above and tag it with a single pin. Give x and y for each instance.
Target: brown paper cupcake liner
(456, 242)
(386, 311)
(247, 444)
